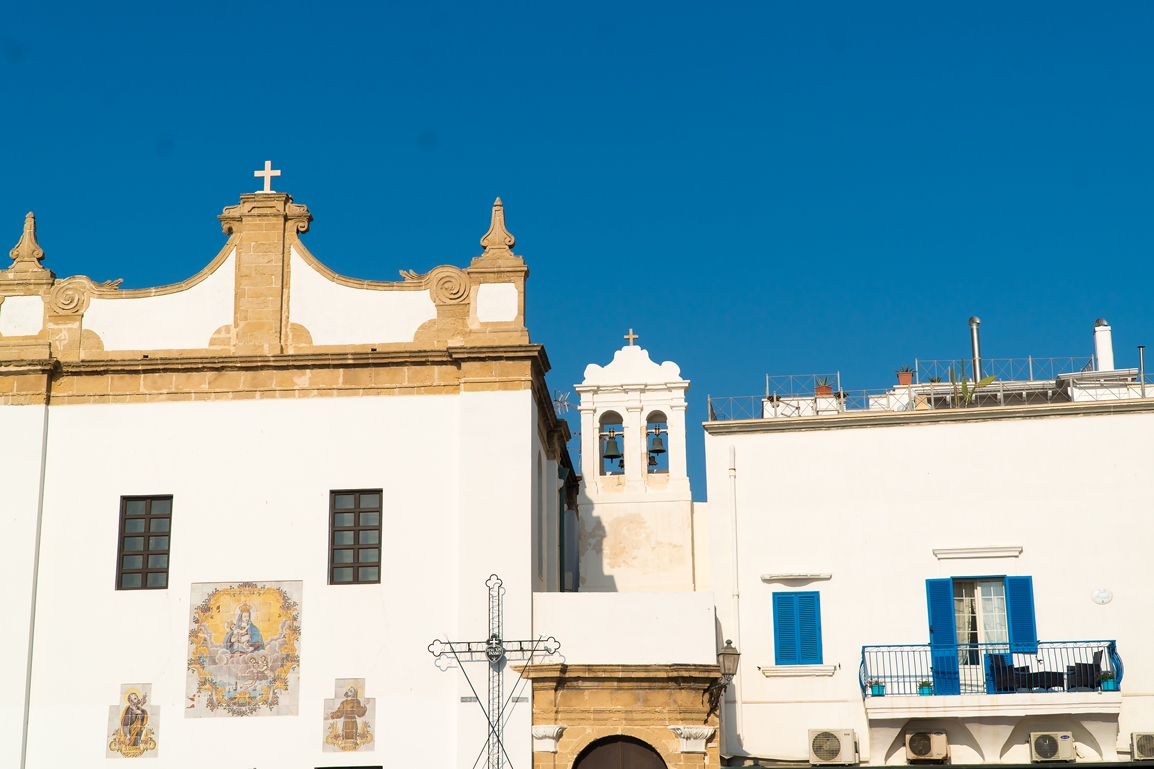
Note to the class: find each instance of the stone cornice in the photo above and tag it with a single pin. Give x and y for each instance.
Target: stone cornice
(163, 364)
(955, 553)
(904, 418)
(564, 672)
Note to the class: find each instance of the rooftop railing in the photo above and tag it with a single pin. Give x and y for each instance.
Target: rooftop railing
(1028, 369)
(989, 668)
(1016, 382)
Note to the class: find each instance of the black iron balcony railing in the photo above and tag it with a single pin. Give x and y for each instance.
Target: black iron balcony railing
(996, 668)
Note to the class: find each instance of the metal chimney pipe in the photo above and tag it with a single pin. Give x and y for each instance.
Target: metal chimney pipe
(976, 345)
(1142, 368)
(1103, 345)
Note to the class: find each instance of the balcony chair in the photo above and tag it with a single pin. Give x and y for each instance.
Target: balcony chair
(1085, 676)
(1003, 677)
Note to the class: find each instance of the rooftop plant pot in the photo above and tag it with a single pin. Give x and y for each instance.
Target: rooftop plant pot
(905, 377)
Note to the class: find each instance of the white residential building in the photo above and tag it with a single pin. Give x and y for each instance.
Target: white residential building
(970, 565)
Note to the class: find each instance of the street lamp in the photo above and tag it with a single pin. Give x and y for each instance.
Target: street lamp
(727, 659)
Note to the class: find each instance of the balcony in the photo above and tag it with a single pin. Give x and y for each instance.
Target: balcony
(984, 669)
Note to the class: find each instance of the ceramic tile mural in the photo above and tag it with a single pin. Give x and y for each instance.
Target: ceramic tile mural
(133, 724)
(349, 717)
(244, 649)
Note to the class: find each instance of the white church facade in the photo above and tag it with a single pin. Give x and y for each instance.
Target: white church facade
(237, 511)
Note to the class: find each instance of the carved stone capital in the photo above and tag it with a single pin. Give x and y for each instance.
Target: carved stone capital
(693, 737)
(545, 737)
(265, 204)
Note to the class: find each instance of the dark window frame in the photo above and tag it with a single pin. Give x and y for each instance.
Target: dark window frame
(359, 543)
(148, 533)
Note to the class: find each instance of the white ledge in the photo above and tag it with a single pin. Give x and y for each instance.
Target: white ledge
(799, 577)
(797, 671)
(949, 553)
(993, 705)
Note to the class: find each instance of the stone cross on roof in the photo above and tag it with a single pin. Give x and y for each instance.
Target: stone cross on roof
(631, 337)
(268, 173)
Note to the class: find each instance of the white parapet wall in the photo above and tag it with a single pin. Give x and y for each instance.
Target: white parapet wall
(629, 628)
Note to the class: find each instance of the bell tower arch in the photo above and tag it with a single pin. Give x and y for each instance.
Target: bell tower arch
(636, 506)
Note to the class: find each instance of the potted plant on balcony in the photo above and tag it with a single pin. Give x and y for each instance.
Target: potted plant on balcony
(925, 688)
(877, 687)
(905, 376)
(822, 387)
(1109, 682)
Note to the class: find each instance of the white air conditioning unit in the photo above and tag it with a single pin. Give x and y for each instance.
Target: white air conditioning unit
(927, 747)
(1051, 746)
(832, 746)
(1142, 746)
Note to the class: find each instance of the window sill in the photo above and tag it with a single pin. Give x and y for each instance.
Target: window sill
(797, 671)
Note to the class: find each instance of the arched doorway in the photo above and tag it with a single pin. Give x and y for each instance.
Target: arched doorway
(619, 752)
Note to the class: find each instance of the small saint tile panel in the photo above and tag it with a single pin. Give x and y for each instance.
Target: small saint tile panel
(355, 537)
(133, 724)
(145, 533)
(349, 718)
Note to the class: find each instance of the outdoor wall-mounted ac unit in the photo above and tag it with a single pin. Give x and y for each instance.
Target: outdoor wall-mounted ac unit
(927, 747)
(1142, 746)
(1051, 746)
(832, 746)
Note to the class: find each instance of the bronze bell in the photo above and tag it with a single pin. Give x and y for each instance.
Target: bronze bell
(612, 448)
(658, 446)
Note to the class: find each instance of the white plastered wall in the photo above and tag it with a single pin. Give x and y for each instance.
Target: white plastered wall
(21, 449)
(21, 315)
(251, 483)
(647, 628)
(336, 314)
(178, 321)
(869, 506)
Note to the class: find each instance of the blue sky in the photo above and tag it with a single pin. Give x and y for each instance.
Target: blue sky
(755, 188)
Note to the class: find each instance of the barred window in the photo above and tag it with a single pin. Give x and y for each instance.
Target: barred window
(355, 537)
(145, 533)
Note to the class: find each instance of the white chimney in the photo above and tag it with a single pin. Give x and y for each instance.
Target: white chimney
(1103, 345)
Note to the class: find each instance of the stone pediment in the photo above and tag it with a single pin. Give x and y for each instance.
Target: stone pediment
(632, 365)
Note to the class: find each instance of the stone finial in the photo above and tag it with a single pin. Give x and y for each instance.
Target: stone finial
(27, 253)
(498, 238)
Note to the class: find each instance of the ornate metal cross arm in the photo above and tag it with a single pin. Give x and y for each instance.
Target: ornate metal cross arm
(496, 652)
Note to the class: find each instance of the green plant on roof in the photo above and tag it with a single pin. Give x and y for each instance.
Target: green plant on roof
(964, 394)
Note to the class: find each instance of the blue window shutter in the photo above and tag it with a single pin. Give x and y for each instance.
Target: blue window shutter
(943, 636)
(785, 629)
(1020, 615)
(809, 628)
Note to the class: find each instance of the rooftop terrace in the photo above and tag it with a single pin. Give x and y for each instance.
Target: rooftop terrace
(933, 385)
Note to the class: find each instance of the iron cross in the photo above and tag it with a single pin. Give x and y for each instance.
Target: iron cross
(496, 651)
(268, 173)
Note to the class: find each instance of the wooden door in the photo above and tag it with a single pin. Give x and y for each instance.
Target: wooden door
(619, 753)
